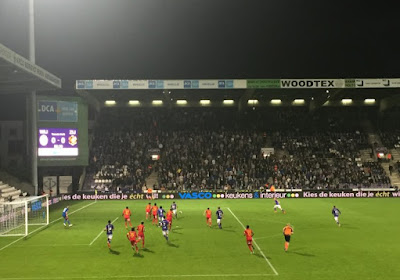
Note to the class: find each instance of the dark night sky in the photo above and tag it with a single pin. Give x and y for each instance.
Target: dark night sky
(167, 39)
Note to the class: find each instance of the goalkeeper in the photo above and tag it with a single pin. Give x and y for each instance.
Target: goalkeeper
(65, 216)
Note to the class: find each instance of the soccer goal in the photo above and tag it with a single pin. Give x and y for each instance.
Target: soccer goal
(22, 217)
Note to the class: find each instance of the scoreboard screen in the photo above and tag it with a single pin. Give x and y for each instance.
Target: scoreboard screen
(58, 142)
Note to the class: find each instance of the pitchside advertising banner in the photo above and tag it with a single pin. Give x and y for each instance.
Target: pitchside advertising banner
(61, 111)
(161, 84)
(235, 195)
(238, 84)
(312, 83)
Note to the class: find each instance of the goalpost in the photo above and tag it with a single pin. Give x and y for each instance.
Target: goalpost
(20, 218)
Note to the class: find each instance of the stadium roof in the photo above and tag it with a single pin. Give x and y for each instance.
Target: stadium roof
(263, 90)
(17, 74)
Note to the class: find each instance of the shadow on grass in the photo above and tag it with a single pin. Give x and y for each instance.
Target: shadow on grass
(304, 254)
(172, 245)
(147, 250)
(300, 253)
(176, 230)
(261, 256)
(228, 230)
(138, 255)
(114, 252)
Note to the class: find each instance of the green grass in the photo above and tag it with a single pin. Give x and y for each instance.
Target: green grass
(365, 247)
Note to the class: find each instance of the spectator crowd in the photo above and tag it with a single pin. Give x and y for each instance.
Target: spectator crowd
(221, 149)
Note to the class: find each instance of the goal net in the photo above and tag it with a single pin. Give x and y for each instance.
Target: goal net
(22, 217)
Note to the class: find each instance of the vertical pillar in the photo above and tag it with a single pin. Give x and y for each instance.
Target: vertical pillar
(33, 113)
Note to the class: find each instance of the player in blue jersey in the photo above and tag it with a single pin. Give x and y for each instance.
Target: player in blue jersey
(219, 214)
(278, 206)
(336, 212)
(160, 213)
(65, 216)
(164, 227)
(109, 231)
(174, 209)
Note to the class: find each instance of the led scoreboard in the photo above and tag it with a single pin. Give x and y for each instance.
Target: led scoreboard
(58, 142)
(62, 131)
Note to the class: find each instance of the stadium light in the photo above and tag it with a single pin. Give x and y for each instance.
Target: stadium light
(205, 102)
(181, 102)
(252, 102)
(110, 102)
(369, 101)
(134, 102)
(347, 101)
(157, 102)
(228, 102)
(298, 102)
(276, 101)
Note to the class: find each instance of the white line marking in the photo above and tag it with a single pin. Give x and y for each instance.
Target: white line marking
(73, 212)
(15, 241)
(143, 276)
(255, 243)
(49, 245)
(101, 232)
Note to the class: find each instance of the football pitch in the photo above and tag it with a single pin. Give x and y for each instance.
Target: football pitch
(365, 246)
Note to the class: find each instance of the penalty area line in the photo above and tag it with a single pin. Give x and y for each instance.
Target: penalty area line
(141, 276)
(73, 212)
(19, 239)
(101, 233)
(255, 243)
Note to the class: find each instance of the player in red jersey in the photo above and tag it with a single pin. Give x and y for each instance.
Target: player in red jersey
(148, 211)
(140, 229)
(131, 235)
(207, 213)
(170, 213)
(127, 216)
(249, 238)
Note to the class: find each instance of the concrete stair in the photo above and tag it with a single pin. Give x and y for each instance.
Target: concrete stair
(281, 153)
(374, 138)
(6, 191)
(152, 180)
(366, 155)
(395, 177)
(395, 154)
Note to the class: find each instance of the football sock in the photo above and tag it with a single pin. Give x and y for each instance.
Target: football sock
(286, 246)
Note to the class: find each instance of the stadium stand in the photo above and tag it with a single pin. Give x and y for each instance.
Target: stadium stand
(218, 148)
(8, 193)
